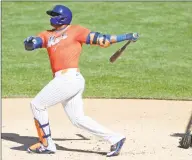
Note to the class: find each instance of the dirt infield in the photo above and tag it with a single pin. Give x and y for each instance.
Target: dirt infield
(152, 128)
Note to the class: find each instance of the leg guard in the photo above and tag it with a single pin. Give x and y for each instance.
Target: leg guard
(41, 120)
(45, 144)
(41, 133)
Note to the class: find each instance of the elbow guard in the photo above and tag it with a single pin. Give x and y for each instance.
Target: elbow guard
(32, 43)
(95, 38)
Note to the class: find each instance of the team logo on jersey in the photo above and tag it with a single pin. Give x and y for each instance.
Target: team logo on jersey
(54, 40)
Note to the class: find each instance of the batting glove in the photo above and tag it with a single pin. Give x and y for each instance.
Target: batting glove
(132, 37)
(29, 39)
(29, 43)
(135, 37)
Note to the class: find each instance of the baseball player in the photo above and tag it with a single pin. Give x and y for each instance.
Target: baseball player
(64, 44)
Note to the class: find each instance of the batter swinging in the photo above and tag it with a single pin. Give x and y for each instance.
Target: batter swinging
(64, 44)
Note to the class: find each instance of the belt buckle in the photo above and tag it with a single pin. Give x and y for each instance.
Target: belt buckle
(64, 71)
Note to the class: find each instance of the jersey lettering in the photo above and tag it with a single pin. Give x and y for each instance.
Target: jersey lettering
(53, 40)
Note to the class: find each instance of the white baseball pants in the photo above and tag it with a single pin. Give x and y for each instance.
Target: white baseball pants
(67, 88)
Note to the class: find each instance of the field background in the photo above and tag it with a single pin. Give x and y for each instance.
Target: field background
(157, 66)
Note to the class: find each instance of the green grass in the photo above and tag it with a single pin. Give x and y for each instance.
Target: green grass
(159, 65)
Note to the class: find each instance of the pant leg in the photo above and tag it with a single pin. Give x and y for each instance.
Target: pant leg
(74, 110)
(60, 89)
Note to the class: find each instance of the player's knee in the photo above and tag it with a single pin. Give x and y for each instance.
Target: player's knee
(36, 106)
(77, 121)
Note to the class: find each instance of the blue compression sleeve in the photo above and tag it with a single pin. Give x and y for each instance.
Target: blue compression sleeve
(104, 40)
(119, 38)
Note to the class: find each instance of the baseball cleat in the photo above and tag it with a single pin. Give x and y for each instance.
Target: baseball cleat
(116, 148)
(41, 149)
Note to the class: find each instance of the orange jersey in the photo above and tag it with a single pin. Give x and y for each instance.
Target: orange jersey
(64, 46)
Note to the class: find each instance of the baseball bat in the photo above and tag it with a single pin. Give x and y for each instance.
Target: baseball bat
(189, 126)
(119, 52)
(186, 140)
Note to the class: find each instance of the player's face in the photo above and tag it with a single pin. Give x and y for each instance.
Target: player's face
(53, 14)
(56, 26)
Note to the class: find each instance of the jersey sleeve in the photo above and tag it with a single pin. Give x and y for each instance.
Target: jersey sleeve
(42, 35)
(82, 34)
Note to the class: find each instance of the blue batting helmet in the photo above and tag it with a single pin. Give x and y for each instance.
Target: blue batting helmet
(60, 15)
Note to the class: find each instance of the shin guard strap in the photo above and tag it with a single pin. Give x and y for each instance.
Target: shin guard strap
(46, 136)
(44, 125)
(42, 135)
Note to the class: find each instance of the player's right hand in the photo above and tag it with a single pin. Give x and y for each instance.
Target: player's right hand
(135, 37)
(132, 36)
